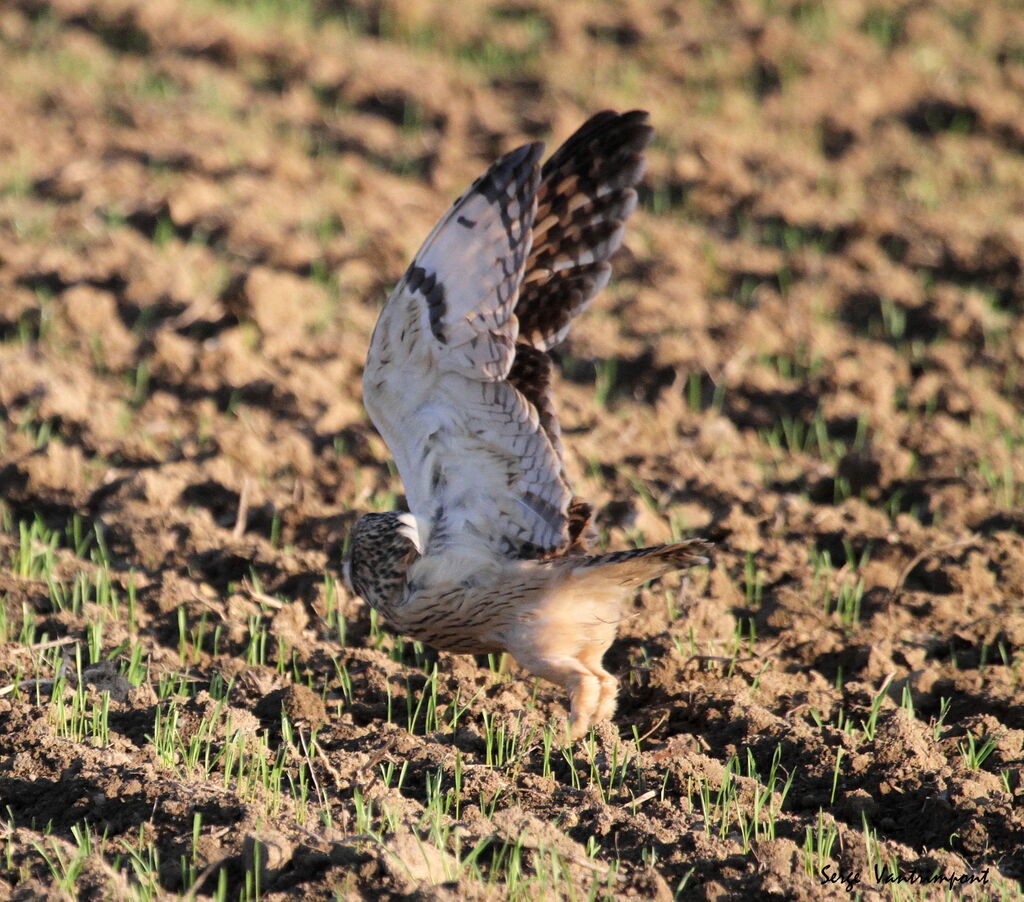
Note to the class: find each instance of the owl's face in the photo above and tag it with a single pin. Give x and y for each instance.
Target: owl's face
(379, 554)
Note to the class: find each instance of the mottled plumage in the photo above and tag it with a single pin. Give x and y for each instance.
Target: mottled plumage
(492, 555)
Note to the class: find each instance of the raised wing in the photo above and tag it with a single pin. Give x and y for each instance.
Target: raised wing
(477, 467)
(588, 190)
(465, 411)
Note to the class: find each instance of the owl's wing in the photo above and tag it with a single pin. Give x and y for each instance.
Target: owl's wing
(587, 191)
(477, 467)
(464, 409)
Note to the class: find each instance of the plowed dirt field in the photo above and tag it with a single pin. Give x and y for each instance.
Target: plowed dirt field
(811, 352)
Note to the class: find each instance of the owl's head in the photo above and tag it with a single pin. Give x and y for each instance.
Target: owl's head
(381, 548)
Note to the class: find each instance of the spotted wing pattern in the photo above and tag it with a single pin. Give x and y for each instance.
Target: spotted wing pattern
(587, 191)
(465, 409)
(478, 469)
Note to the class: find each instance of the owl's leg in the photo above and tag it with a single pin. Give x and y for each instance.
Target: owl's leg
(609, 685)
(584, 687)
(584, 702)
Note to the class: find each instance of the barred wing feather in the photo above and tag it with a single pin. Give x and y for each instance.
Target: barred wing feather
(477, 466)
(457, 377)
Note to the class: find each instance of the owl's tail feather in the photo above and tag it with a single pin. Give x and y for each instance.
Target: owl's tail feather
(637, 565)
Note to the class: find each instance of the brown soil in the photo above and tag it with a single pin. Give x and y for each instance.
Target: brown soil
(817, 359)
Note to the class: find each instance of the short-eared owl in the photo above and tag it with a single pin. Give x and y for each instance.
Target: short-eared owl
(492, 555)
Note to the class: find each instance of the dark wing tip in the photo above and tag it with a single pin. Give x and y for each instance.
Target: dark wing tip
(605, 133)
(517, 166)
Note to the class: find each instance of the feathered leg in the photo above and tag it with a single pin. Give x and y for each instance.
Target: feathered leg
(565, 638)
(582, 684)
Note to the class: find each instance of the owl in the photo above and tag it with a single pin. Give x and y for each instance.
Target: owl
(493, 552)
